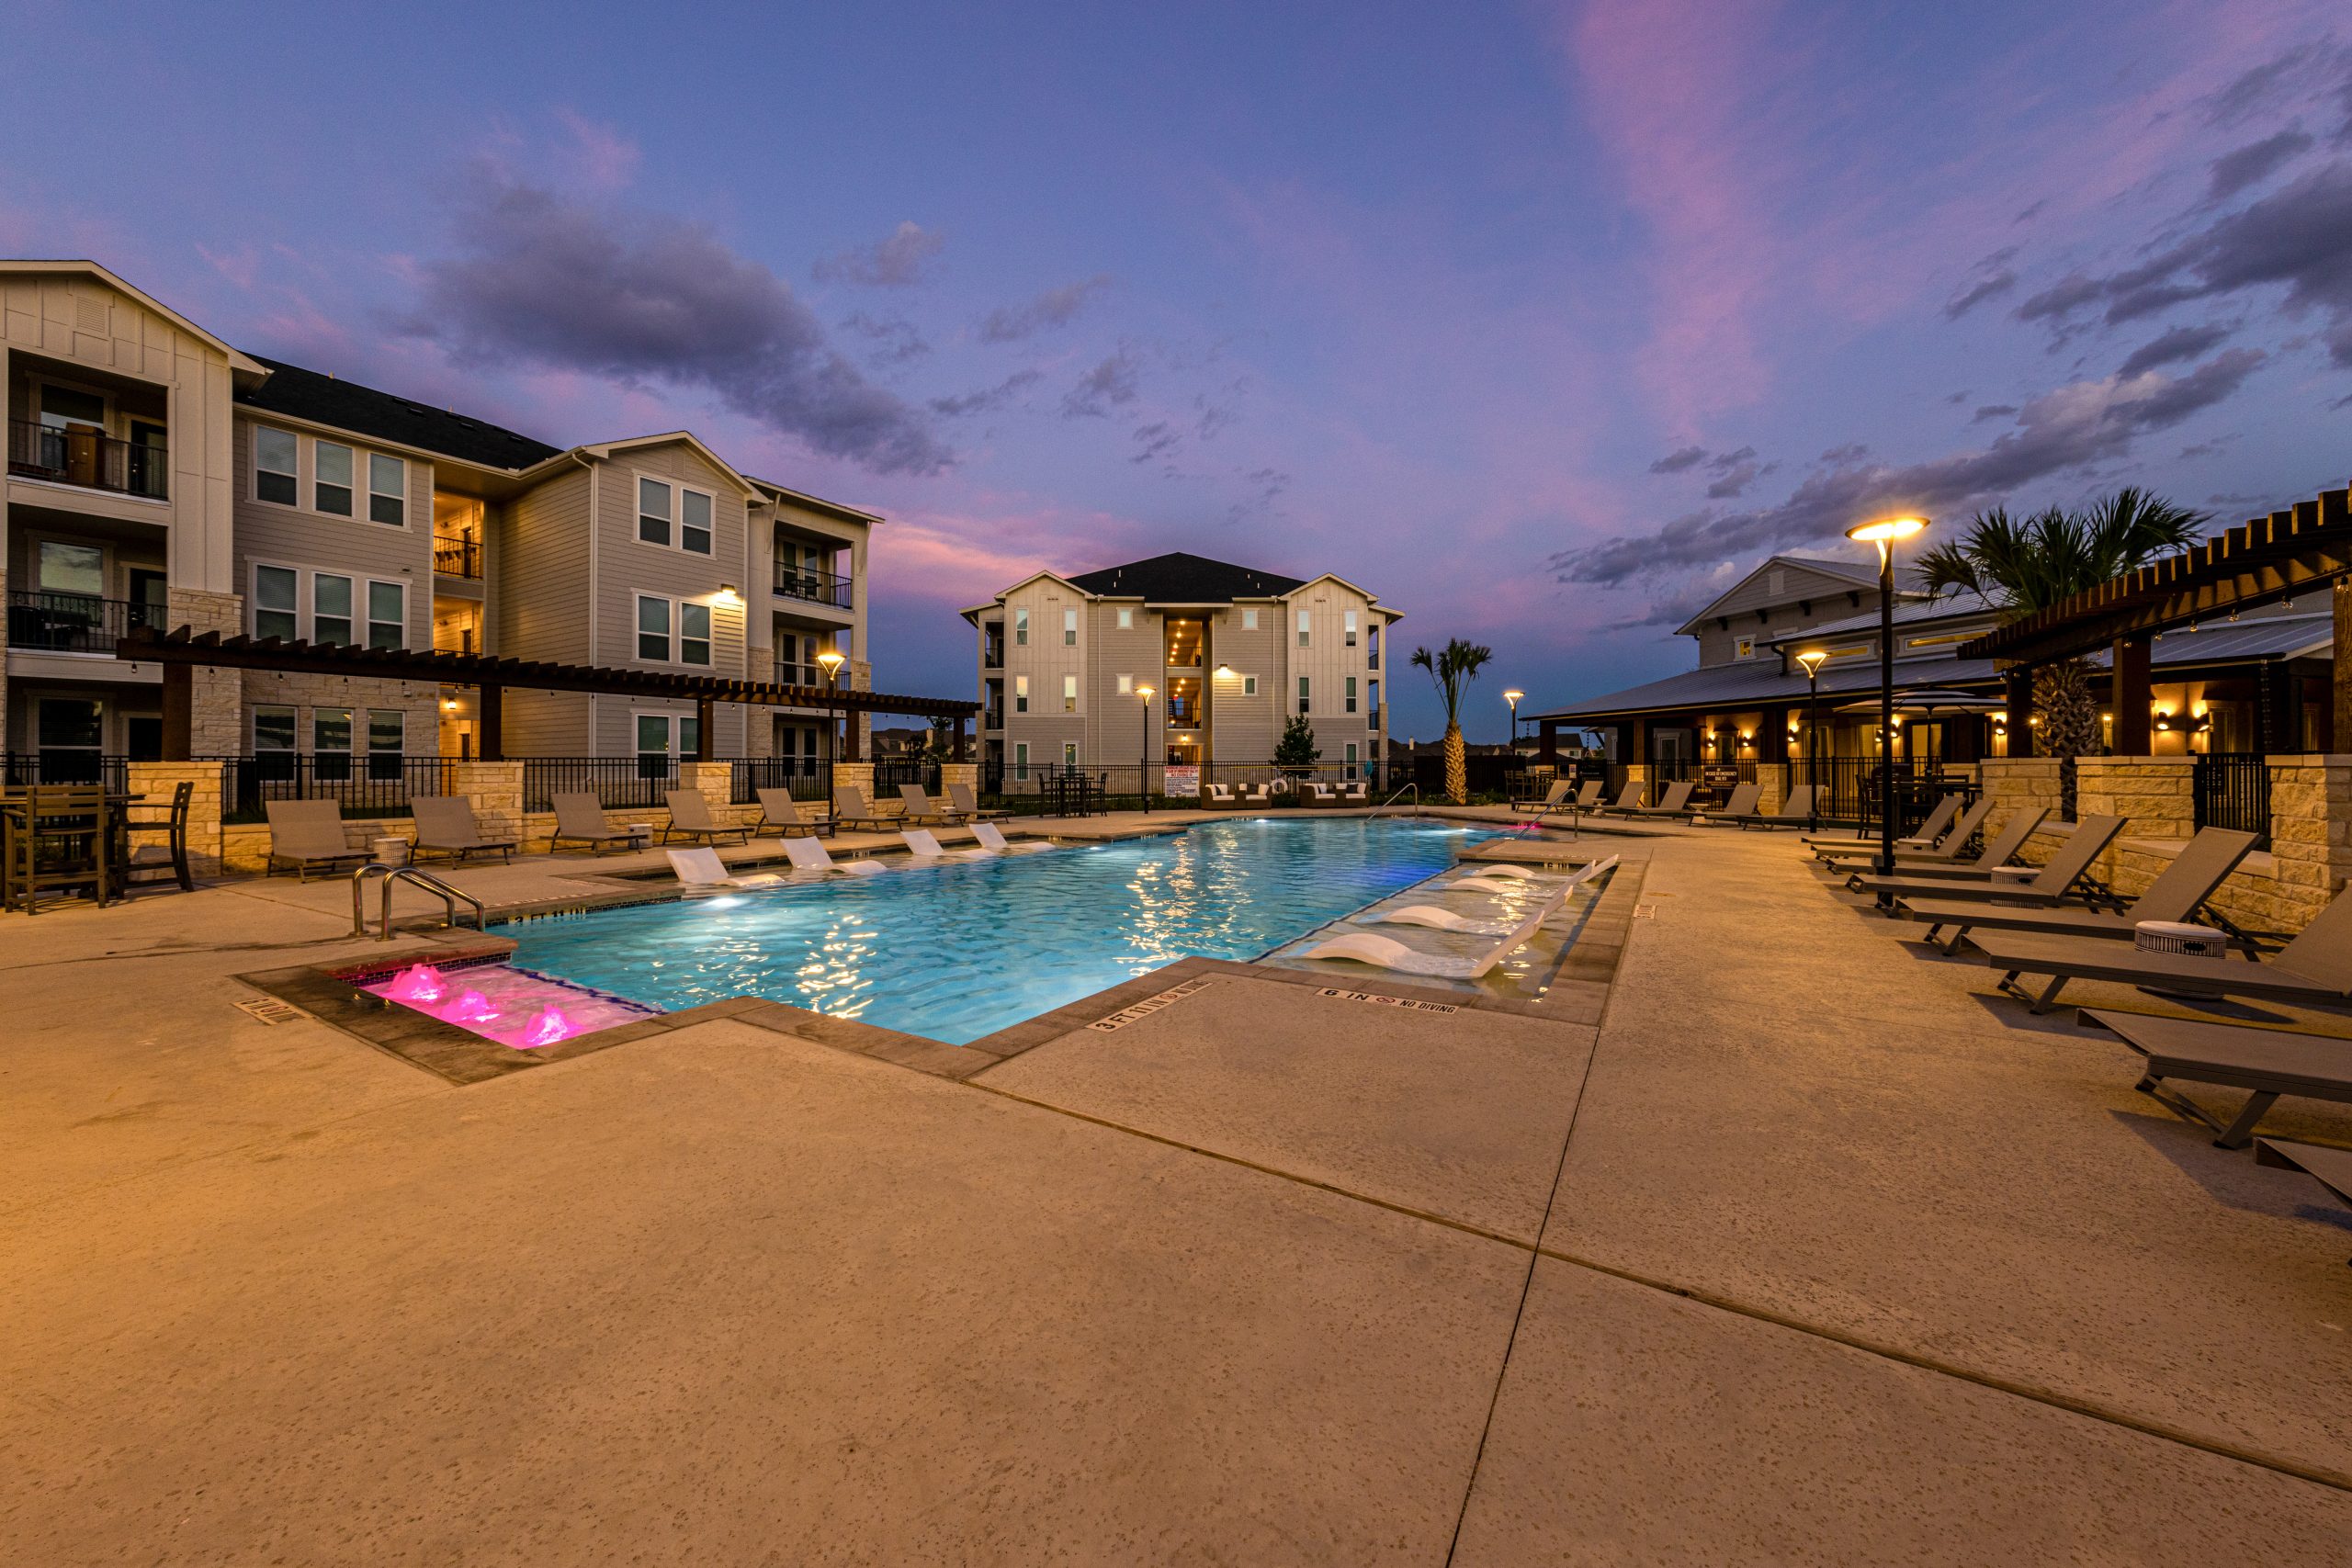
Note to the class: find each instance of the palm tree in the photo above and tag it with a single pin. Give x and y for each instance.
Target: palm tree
(2052, 556)
(1454, 669)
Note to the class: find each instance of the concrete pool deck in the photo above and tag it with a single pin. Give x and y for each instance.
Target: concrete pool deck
(1793, 1245)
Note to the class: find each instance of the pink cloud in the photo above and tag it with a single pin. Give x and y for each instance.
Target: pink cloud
(602, 157)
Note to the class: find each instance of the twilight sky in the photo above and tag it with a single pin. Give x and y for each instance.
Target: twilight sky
(1540, 322)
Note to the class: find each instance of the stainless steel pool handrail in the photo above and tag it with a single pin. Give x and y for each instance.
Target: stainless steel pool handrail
(1412, 789)
(450, 897)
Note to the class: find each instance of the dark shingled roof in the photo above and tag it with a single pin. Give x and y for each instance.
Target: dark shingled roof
(363, 411)
(1181, 579)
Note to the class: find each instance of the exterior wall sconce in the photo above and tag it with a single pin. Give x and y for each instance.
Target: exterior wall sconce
(2162, 721)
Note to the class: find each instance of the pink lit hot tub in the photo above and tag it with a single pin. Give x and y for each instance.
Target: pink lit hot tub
(514, 1007)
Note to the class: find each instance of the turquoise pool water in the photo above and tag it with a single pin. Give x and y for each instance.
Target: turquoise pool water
(956, 952)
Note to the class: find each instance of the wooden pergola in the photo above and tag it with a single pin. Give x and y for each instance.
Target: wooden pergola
(182, 651)
(2261, 562)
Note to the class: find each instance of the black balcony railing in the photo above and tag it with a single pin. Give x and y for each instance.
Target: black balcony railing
(815, 587)
(365, 783)
(790, 675)
(993, 654)
(455, 556)
(75, 623)
(642, 781)
(2232, 789)
(80, 455)
(1185, 713)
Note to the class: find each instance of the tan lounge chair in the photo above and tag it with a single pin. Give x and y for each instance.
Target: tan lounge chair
(444, 825)
(2070, 864)
(2332, 1169)
(1673, 803)
(2177, 894)
(781, 815)
(1998, 854)
(851, 810)
(579, 819)
(690, 817)
(308, 835)
(2267, 1063)
(965, 799)
(917, 806)
(1923, 849)
(2314, 967)
(1554, 796)
(1629, 798)
(1741, 804)
(1795, 812)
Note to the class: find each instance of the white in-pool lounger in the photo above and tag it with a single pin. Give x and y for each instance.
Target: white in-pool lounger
(1437, 919)
(1382, 953)
(992, 839)
(926, 847)
(703, 868)
(1501, 873)
(807, 854)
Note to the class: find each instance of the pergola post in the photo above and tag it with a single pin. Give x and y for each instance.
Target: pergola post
(705, 737)
(490, 723)
(2279, 709)
(1547, 743)
(179, 711)
(958, 724)
(2017, 689)
(2341, 598)
(2132, 693)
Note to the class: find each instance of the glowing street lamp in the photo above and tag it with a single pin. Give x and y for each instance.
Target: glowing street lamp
(1812, 659)
(1512, 698)
(1883, 533)
(832, 659)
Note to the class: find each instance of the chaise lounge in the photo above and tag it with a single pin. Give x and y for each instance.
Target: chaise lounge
(1997, 856)
(308, 835)
(851, 810)
(690, 817)
(579, 819)
(2316, 966)
(2176, 895)
(781, 815)
(1925, 848)
(444, 825)
(2332, 1169)
(2269, 1063)
(1795, 812)
(2070, 864)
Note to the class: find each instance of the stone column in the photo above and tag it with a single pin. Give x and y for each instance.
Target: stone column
(856, 775)
(1773, 778)
(715, 781)
(216, 703)
(2311, 834)
(2153, 794)
(960, 774)
(496, 790)
(159, 780)
(2018, 784)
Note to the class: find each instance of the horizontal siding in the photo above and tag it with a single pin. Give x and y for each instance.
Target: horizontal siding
(297, 536)
(627, 566)
(540, 583)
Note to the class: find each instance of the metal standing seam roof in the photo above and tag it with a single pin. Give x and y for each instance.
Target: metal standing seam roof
(1764, 681)
(1952, 606)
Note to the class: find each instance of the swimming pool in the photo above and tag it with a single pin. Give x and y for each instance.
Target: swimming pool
(956, 952)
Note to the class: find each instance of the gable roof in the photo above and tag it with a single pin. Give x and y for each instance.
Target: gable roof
(1847, 575)
(603, 450)
(347, 405)
(238, 361)
(1178, 578)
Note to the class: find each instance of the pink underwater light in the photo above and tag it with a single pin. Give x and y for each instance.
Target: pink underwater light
(548, 1029)
(513, 1007)
(417, 984)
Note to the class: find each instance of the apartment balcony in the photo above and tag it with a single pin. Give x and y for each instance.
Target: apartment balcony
(993, 718)
(456, 556)
(1185, 713)
(812, 587)
(85, 457)
(75, 623)
(992, 653)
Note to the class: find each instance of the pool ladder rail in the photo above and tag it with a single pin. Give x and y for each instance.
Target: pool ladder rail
(450, 897)
(1412, 789)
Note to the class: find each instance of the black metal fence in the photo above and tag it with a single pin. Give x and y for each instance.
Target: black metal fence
(639, 780)
(809, 778)
(1129, 786)
(889, 772)
(365, 783)
(2232, 789)
(21, 768)
(1853, 790)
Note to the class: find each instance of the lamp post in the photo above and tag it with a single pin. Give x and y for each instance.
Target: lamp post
(1883, 533)
(1143, 765)
(832, 659)
(1812, 659)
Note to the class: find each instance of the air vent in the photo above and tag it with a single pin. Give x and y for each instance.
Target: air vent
(89, 313)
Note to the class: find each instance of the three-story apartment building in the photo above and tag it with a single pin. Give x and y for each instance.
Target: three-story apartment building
(1230, 654)
(158, 476)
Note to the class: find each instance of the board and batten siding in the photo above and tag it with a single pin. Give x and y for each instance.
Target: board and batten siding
(1045, 660)
(1244, 729)
(628, 566)
(1115, 718)
(537, 609)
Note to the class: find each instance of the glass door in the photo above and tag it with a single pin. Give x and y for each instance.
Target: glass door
(70, 734)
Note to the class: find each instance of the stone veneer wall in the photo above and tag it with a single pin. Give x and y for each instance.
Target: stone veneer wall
(1773, 780)
(216, 712)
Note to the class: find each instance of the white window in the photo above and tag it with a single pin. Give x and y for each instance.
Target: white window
(387, 614)
(654, 628)
(1070, 628)
(273, 729)
(1249, 685)
(329, 608)
(694, 522)
(1352, 695)
(387, 490)
(662, 737)
(1350, 623)
(275, 613)
(693, 634)
(1021, 629)
(275, 461)
(1302, 693)
(1127, 618)
(1070, 753)
(1248, 620)
(1021, 694)
(653, 512)
(1126, 685)
(1021, 758)
(1304, 628)
(331, 477)
(1069, 693)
